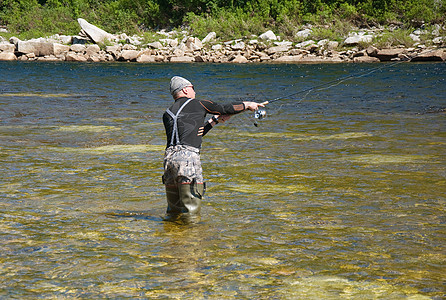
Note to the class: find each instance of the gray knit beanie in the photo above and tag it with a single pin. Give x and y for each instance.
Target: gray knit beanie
(177, 83)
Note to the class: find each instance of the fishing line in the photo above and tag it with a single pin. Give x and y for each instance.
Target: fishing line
(261, 112)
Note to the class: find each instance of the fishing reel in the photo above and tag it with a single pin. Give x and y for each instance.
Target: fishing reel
(259, 114)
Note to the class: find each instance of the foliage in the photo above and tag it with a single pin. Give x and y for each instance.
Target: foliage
(394, 38)
(229, 18)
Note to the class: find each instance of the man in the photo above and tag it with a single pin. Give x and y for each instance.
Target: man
(185, 126)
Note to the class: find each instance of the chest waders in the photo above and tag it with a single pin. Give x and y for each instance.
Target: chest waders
(183, 197)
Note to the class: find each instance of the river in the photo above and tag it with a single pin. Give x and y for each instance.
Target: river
(339, 193)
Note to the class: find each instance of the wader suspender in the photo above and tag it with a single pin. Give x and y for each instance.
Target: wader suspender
(175, 134)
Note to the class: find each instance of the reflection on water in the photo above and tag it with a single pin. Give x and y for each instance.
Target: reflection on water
(336, 194)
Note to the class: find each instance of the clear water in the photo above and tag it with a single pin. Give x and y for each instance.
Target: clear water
(338, 193)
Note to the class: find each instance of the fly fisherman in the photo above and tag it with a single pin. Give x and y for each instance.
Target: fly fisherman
(185, 126)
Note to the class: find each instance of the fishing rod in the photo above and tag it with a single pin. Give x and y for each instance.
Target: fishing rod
(260, 113)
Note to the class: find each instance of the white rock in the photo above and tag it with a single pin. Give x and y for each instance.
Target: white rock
(355, 39)
(322, 43)
(238, 46)
(332, 45)
(437, 40)
(95, 33)
(60, 49)
(276, 49)
(145, 58)
(305, 44)
(304, 33)
(92, 49)
(283, 43)
(170, 42)
(155, 45)
(7, 47)
(7, 56)
(130, 55)
(78, 48)
(72, 56)
(217, 47)
(129, 47)
(210, 37)
(289, 58)
(415, 37)
(182, 59)
(194, 44)
(269, 35)
(65, 39)
(240, 59)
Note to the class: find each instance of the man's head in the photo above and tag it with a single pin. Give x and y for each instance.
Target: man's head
(181, 87)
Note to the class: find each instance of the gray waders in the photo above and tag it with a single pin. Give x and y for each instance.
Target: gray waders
(185, 198)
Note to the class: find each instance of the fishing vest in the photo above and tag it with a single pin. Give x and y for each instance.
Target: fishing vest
(175, 136)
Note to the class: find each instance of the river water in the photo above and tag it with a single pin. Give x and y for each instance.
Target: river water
(339, 193)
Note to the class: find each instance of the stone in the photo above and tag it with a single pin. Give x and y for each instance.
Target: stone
(269, 35)
(289, 58)
(7, 56)
(7, 47)
(146, 58)
(155, 45)
(73, 56)
(388, 54)
(78, 48)
(305, 44)
(415, 38)
(217, 47)
(194, 44)
(60, 49)
(129, 47)
(160, 58)
(178, 52)
(240, 59)
(371, 51)
(358, 38)
(129, 55)
(210, 37)
(238, 46)
(182, 59)
(304, 33)
(435, 55)
(170, 42)
(95, 33)
(331, 45)
(365, 59)
(273, 50)
(38, 48)
(199, 58)
(438, 40)
(48, 58)
(65, 39)
(92, 50)
(14, 40)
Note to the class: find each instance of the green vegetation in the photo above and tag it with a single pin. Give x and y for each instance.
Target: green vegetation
(228, 18)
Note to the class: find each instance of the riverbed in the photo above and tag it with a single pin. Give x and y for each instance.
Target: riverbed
(338, 193)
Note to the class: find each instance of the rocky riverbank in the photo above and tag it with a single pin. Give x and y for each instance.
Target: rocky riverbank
(95, 45)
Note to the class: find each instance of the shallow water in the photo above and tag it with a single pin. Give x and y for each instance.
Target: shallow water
(338, 193)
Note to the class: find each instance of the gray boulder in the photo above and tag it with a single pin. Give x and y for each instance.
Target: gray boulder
(38, 48)
(7, 47)
(269, 35)
(210, 37)
(95, 33)
(7, 56)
